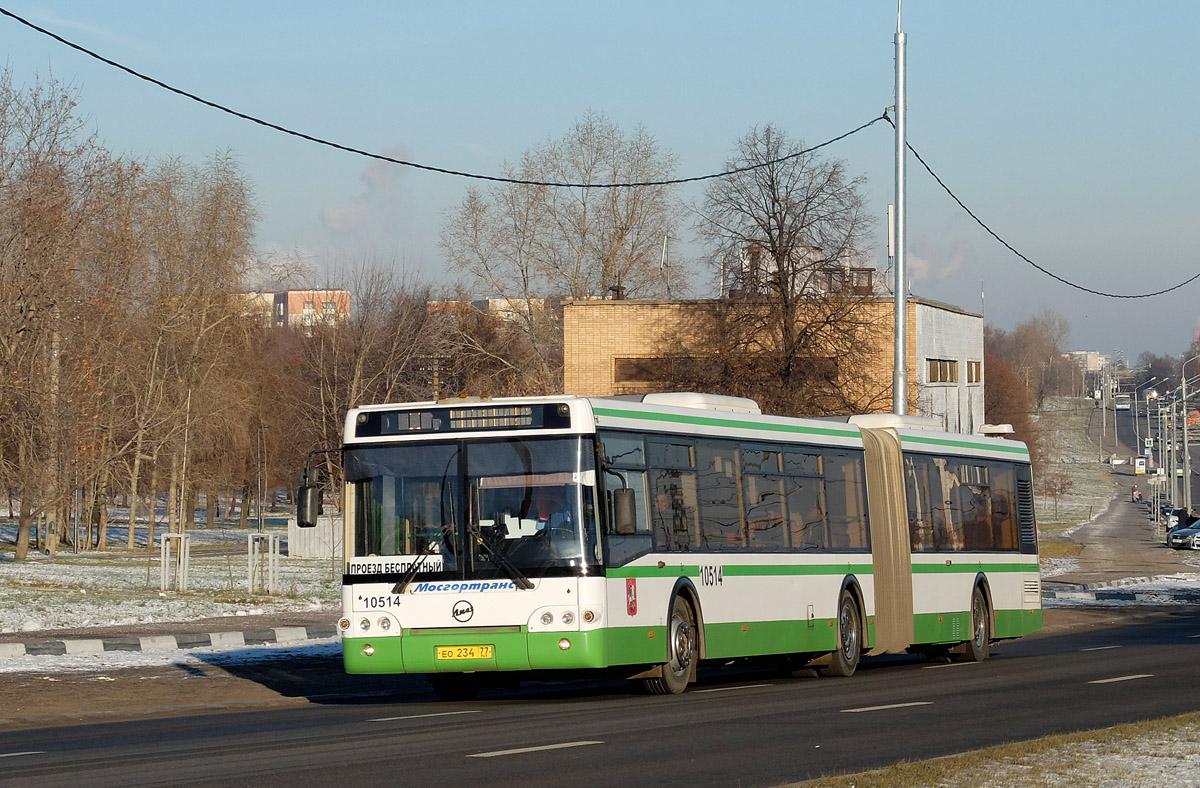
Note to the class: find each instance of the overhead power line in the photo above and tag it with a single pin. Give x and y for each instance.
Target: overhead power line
(1044, 270)
(563, 184)
(413, 164)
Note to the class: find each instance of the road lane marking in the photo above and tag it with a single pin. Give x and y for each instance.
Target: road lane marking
(730, 689)
(889, 706)
(1123, 678)
(947, 665)
(1098, 648)
(18, 754)
(522, 750)
(422, 716)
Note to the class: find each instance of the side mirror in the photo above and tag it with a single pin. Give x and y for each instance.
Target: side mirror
(308, 506)
(625, 511)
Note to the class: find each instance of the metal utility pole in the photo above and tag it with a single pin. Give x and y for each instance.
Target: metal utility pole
(900, 371)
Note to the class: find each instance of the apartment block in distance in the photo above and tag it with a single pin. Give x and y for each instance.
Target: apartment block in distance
(307, 308)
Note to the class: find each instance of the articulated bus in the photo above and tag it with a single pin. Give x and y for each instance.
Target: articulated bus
(497, 539)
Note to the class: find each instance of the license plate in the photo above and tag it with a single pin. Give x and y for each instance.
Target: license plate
(466, 652)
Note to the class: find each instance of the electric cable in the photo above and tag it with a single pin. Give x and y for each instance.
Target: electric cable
(416, 165)
(1012, 249)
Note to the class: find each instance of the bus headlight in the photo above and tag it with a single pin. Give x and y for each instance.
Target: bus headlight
(385, 623)
(568, 618)
(365, 624)
(547, 618)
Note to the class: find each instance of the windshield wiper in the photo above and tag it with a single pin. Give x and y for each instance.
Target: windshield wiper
(411, 572)
(500, 559)
(419, 562)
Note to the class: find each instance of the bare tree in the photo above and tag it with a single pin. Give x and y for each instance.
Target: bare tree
(60, 198)
(787, 231)
(524, 242)
(388, 352)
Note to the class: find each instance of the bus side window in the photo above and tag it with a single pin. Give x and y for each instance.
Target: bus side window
(674, 511)
(846, 500)
(720, 511)
(921, 503)
(764, 512)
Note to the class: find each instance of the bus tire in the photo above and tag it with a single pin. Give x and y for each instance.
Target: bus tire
(976, 649)
(454, 686)
(848, 648)
(676, 672)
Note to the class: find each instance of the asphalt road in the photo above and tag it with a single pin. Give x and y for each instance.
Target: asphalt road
(742, 727)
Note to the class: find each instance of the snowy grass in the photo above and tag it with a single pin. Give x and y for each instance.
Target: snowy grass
(1158, 753)
(92, 589)
(1086, 483)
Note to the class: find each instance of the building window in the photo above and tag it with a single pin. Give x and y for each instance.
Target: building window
(641, 370)
(974, 371)
(330, 308)
(942, 371)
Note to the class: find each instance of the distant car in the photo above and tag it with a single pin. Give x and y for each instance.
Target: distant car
(1186, 538)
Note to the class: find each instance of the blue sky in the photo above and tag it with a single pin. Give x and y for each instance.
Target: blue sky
(1071, 128)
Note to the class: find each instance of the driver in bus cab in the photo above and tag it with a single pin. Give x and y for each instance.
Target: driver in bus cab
(551, 511)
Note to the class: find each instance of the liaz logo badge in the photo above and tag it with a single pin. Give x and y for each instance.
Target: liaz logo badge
(462, 611)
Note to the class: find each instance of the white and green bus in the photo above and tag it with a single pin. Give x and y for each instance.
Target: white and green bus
(651, 534)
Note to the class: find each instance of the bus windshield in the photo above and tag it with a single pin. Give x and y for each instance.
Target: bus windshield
(509, 507)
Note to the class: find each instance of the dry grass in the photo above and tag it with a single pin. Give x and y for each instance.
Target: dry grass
(1059, 549)
(1132, 754)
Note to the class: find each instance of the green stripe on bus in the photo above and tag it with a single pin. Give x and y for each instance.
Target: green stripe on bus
(740, 570)
(709, 421)
(968, 566)
(743, 570)
(671, 570)
(1000, 446)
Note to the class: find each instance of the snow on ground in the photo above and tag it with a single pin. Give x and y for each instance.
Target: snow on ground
(91, 589)
(326, 648)
(1090, 486)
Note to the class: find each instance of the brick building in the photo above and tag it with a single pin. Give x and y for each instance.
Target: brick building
(614, 347)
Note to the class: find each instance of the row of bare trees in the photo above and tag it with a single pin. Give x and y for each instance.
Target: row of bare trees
(131, 366)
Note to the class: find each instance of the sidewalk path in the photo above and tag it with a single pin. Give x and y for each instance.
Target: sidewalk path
(1120, 545)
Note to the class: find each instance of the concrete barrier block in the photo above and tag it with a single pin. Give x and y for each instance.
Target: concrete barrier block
(227, 639)
(11, 650)
(158, 643)
(85, 646)
(290, 634)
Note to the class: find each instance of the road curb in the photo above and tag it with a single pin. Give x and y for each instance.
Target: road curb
(1085, 594)
(281, 636)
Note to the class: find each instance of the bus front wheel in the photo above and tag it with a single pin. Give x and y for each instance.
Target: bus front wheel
(681, 652)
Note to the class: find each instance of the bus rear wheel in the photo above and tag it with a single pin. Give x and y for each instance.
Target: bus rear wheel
(681, 652)
(976, 649)
(848, 648)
